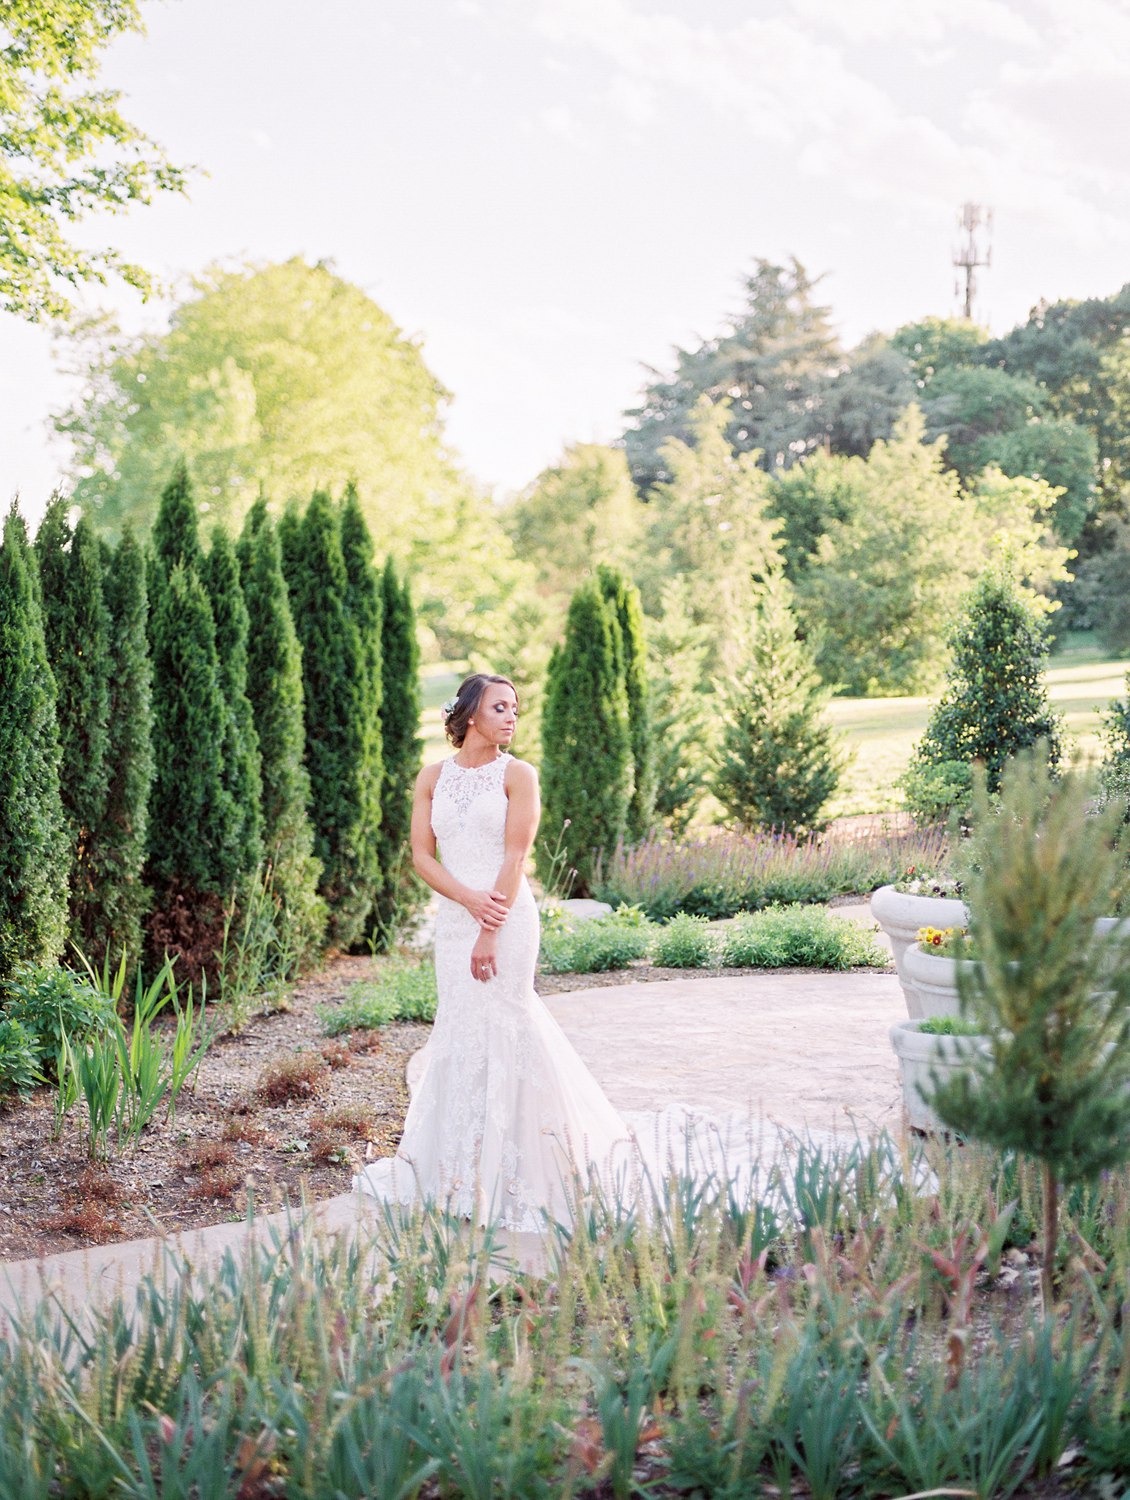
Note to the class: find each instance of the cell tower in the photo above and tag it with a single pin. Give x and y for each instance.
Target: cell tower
(967, 256)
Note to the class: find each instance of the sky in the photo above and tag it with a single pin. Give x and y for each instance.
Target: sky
(551, 195)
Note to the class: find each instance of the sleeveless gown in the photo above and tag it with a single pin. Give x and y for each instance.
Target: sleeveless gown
(505, 1110)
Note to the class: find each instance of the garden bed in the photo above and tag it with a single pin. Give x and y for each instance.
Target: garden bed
(225, 1140)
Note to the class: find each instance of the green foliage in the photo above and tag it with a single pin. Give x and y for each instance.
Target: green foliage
(67, 151)
(1051, 993)
(582, 509)
(1076, 351)
(176, 532)
(969, 407)
(19, 1066)
(865, 399)
(596, 945)
(773, 365)
(776, 764)
(265, 383)
(682, 724)
(798, 936)
(240, 752)
(623, 600)
(123, 839)
(401, 892)
(193, 826)
(586, 745)
(365, 604)
(936, 344)
(51, 1002)
(947, 1026)
(710, 521)
(995, 701)
(685, 942)
(650, 1363)
(76, 630)
(1065, 456)
(809, 498)
(935, 789)
(404, 990)
(342, 751)
(274, 691)
(33, 842)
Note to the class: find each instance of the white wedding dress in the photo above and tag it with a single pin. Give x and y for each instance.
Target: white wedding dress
(505, 1112)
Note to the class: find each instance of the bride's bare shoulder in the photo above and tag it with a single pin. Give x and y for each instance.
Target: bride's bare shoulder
(520, 773)
(429, 775)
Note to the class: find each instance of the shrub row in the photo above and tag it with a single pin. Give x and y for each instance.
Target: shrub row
(780, 937)
(181, 729)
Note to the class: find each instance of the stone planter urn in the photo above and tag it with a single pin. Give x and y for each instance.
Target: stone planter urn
(933, 982)
(900, 915)
(922, 1057)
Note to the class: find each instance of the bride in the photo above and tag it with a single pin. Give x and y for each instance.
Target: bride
(505, 1112)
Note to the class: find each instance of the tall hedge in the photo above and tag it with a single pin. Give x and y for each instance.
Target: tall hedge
(400, 891)
(340, 745)
(76, 630)
(176, 533)
(195, 852)
(241, 759)
(122, 846)
(623, 597)
(33, 839)
(274, 689)
(586, 746)
(366, 606)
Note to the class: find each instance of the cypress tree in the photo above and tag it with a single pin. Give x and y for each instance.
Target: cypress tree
(776, 765)
(176, 536)
(194, 847)
(290, 543)
(366, 607)
(335, 674)
(586, 746)
(401, 891)
(274, 688)
(241, 743)
(123, 836)
(624, 598)
(33, 841)
(76, 630)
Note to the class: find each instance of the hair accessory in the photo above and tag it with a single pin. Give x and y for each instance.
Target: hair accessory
(448, 708)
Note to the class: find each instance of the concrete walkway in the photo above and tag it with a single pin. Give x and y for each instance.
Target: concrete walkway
(796, 1051)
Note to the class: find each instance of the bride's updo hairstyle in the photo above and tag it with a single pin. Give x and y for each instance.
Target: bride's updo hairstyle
(459, 711)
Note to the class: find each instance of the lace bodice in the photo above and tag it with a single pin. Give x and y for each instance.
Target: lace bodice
(469, 819)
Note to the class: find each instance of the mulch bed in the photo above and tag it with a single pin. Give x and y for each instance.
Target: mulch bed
(227, 1142)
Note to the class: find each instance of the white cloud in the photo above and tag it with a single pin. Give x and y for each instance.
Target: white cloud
(921, 21)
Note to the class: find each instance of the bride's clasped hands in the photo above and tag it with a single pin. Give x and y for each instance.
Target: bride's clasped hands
(490, 910)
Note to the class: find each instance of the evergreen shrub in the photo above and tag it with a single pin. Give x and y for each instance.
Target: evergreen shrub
(123, 895)
(401, 892)
(995, 702)
(798, 936)
(586, 745)
(776, 765)
(623, 599)
(76, 629)
(275, 695)
(33, 841)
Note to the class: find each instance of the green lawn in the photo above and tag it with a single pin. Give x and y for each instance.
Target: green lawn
(882, 731)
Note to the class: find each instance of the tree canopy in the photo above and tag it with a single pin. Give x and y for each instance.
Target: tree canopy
(278, 381)
(66, 150)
